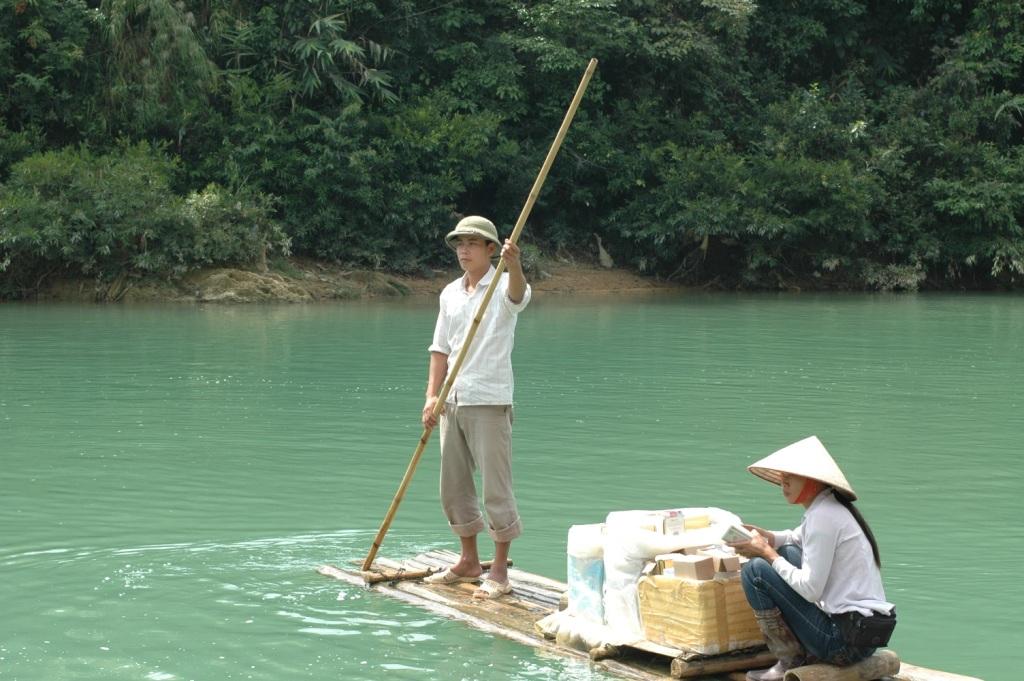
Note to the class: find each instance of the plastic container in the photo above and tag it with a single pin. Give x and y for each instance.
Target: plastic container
(585, 571)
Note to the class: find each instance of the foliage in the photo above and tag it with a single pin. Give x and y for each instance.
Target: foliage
(158, 72)
(832, 143)
(304, 44)
(50, 72)
(70, 212)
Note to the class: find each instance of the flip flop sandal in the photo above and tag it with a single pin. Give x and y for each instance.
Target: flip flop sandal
(446, 576)
(491, 589)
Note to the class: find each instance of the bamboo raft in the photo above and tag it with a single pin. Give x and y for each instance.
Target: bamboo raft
(534, 597)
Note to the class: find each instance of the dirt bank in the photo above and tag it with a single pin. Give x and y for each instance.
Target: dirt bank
(297, 280)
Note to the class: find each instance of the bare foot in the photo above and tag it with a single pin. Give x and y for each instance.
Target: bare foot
(498, 574)
(465, 568)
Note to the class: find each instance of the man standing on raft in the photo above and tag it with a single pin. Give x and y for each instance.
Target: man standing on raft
(476, 423)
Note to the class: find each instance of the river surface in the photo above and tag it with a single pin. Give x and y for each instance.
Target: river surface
(172, 475)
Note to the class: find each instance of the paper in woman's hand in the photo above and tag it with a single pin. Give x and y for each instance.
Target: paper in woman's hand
(735, 533)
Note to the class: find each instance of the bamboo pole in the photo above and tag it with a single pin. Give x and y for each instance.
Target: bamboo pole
(704, 666)
(883, 664)
(514, 237)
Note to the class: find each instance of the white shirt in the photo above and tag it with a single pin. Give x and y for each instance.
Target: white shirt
(486, 373)
(838, 571)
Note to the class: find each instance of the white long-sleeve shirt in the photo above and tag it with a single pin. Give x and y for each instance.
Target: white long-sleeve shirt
(486, 374)
(838, 571)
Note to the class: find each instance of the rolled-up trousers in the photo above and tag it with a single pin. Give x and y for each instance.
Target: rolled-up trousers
(478, 437)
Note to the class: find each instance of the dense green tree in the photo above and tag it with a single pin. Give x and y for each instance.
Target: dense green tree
(829, 143)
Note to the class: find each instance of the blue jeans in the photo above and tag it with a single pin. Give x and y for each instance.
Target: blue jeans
(819, 635)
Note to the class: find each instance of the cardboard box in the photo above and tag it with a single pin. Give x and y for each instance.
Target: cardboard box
(684, 565)
(693, 550)
(695, 567)
(724, 562)
(677, 522)
(672, 523)
(709, 617)
(665, 564)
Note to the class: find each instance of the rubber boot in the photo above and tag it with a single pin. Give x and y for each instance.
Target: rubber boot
(782, 644)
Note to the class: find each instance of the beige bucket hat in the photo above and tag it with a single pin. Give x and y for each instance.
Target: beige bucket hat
(807, 458)
(473, 225)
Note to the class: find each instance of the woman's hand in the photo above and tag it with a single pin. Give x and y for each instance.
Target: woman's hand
(770, 536)
(758, 547)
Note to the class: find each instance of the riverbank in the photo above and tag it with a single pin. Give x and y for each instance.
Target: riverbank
(298, 280)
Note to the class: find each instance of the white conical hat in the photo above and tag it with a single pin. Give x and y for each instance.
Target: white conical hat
(807, 458)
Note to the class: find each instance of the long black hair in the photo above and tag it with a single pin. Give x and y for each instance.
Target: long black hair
(848, 503)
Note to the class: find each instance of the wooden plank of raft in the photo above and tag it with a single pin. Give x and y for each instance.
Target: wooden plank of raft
(691, 665)
(693, 668)
(445, 558)
(463, 593)
(520, 630)
(412, 570)
(536, 589)
(513, 617)
(910, 672)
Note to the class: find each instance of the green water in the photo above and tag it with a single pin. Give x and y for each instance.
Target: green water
(171, 476)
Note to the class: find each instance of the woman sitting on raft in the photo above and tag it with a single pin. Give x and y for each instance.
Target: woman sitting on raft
(816, 591)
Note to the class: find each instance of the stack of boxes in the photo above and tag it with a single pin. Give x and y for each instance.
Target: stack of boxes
(693, 599)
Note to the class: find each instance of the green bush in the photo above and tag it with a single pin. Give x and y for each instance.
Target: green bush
(76, 213)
